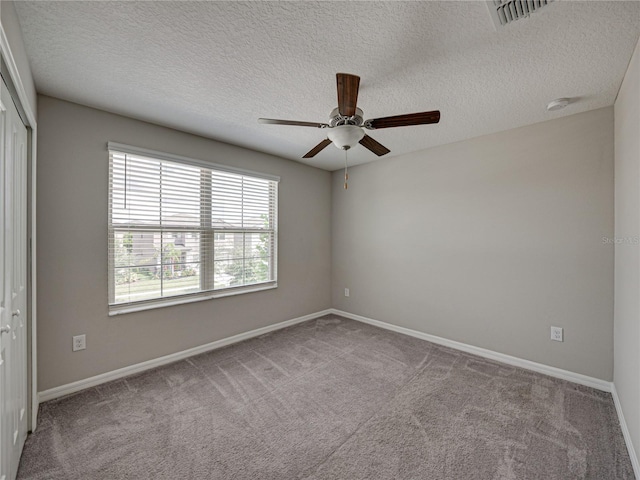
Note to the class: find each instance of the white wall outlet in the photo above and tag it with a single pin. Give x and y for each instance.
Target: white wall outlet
(556, 334)
(79, 342)
(346, 292)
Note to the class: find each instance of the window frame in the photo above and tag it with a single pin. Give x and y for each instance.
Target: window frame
(206, 258)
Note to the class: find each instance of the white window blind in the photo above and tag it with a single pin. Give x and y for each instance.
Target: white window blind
(179, 227)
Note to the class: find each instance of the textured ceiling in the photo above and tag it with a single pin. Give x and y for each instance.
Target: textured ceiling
(213, 68)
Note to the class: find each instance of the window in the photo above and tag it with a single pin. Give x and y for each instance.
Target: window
(181, 229)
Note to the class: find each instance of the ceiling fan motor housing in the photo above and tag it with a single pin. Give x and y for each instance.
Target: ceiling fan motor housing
(336, 119)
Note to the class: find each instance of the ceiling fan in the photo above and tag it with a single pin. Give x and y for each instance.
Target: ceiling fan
(346, 125)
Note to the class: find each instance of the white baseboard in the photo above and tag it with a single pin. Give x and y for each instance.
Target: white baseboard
(74, 387)
(174, 357)
(483, 352)
(625, 432)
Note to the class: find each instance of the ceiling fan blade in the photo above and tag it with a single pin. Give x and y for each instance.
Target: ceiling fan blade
(295, 123)
(406, 120)
(374, 146)
(347, 93)
(318, 148)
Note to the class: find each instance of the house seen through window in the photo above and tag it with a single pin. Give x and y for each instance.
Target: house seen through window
(182, 229)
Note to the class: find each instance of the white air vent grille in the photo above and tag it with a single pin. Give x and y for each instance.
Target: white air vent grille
(507, 11)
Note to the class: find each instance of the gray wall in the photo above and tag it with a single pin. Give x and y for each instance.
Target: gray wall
(488, 241)
(72, 248)
(627, 255)
(11, 26)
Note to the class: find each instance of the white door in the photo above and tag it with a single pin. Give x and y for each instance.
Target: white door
(13, 286)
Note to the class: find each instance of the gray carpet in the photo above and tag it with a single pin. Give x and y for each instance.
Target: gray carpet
(330, 399)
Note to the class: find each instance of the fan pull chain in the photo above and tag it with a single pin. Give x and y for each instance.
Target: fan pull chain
(346, 171)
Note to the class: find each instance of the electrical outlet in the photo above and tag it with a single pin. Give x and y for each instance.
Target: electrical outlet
(346, 292)
(79, 342)
(557, 334)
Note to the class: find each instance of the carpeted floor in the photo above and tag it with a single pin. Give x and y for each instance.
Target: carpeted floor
(330, 399)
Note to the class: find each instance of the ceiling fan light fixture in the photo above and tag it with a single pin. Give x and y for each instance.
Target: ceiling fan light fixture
(345, 136)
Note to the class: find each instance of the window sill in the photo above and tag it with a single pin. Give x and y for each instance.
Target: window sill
(198, 297)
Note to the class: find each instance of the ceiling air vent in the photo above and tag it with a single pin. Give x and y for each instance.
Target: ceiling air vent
(507, 11)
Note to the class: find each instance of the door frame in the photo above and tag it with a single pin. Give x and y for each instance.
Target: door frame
(32, 135)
